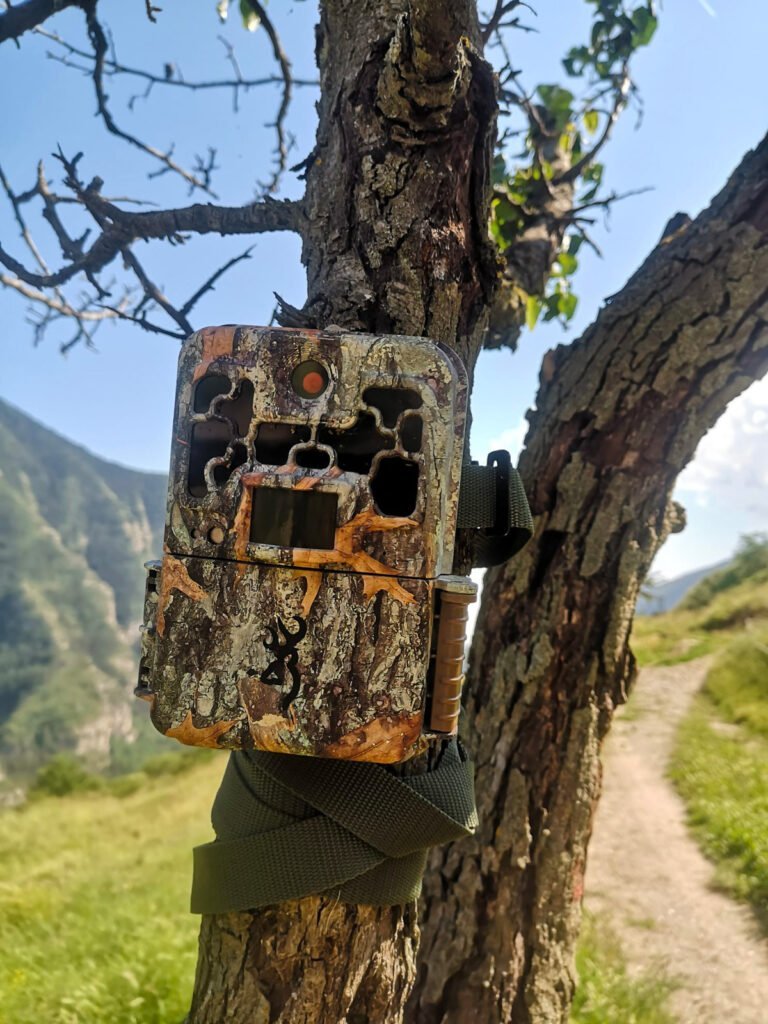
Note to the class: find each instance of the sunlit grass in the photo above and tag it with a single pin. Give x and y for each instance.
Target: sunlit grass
(606, 993)
(722, 779)
(94, 895)
(691, 633)
(738, 683)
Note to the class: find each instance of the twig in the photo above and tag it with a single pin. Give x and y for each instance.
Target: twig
(285, 71)
(622, 92)
(209, 284)
(99, 44)
(496, 20)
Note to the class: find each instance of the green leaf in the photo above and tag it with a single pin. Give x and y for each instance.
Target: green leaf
(251, 20)
(591, 121)
(574, 243)
(594, 172)
(222, 9)
(566, 305)
(556, 99)
(532, 311)
(645, 26)
(568, 262)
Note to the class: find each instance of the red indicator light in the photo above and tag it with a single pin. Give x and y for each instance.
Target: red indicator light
(313, 383)
(309, 379)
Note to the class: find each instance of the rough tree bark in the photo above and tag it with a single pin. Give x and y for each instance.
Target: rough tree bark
(395, 240)
(619, 413)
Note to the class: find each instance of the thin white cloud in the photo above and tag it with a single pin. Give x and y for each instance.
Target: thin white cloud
(511, 439)
(731, 463)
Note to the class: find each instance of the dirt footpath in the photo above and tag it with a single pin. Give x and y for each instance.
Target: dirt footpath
(647, 877)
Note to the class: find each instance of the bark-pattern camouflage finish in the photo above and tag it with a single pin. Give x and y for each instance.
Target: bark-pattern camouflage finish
(311, 516)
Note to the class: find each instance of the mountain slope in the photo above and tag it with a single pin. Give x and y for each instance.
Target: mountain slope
(663, 597)
(74, 532)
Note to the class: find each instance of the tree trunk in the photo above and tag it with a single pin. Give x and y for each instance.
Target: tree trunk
(618, 415)
(395, 241)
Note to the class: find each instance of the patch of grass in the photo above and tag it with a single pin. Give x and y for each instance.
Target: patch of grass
(738, 683)
(94, 894)
(722, 778)
(605, 993)
(693, 632)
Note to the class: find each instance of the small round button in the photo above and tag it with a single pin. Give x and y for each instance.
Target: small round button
(309, 379)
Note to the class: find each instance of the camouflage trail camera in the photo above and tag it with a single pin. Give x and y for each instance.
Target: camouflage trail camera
(305, 602)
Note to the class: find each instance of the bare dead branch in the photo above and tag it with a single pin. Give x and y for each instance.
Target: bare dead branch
(285, 71)
(16, 204)
(152, 11)
(501, 12)
(117, 232)
(170, 77)
(120, 228)
(100, 50)
(60, 306)
(147, 325)
(15, 21)
(152, 290)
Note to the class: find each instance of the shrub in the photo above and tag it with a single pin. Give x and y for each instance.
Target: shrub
(63, 775)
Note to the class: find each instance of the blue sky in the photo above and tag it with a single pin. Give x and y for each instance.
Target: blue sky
(704, 93)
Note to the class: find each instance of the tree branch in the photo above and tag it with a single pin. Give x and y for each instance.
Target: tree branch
(122, 227)
(24, 17)
(618, 415)
(99, 43)
(118, 230)
(285, 72)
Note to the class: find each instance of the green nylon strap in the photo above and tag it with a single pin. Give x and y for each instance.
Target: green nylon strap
(501, 528)
(290, 826)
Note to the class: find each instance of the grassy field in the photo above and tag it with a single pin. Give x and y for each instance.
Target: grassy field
(720, 767)
(94, 891)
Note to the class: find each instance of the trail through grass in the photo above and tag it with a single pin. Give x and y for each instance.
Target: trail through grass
(720, 767)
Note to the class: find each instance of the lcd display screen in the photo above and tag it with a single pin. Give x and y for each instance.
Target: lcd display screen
(293, 519)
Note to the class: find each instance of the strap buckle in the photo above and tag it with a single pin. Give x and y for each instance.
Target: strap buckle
(502, 462)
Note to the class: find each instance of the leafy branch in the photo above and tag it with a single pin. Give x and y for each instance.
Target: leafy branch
(540, 192)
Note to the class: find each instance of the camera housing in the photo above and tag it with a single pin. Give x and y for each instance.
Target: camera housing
(305, 602)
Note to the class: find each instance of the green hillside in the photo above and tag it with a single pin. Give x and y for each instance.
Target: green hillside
(714, 613)
(74, 532)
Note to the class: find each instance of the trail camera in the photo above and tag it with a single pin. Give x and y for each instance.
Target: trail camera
(305, 602)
